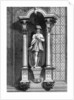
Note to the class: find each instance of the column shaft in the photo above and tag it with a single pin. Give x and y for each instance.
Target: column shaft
(48, 50)
(24, 51)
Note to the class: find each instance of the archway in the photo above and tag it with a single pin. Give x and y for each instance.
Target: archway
(37, 9)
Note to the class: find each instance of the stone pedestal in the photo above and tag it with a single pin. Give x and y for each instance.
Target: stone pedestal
(37, 73)
(24, 84)
(48, 82)
(24, 75)
(48, 74)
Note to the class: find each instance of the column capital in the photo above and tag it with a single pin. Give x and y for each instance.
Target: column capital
(23, 22)
(50, 21)
(24, 26)
(48, 25)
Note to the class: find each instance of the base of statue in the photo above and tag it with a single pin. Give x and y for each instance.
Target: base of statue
(37, 73)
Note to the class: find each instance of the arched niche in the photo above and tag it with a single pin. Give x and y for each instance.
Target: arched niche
(43, 12)
(40, 10)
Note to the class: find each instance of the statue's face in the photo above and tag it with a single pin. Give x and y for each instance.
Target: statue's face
(38, 30)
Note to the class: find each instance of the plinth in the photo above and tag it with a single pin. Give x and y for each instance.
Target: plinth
(48, 82)
(37, 73)
(24, 75)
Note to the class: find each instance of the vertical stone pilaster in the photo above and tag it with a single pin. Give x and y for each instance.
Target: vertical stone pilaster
(48, 70)
(49, 82)
(25, 53)
(48, 28)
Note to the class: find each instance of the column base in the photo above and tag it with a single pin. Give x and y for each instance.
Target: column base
(24, 84)
(48, 82)
(48, 74)
(24, 75)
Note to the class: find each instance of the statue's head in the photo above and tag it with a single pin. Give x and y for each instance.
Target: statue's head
(38, 27)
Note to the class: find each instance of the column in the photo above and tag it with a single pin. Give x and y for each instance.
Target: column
(24, 51)
(48, 69)
(48, 63)
(48, 82)
(25, 62)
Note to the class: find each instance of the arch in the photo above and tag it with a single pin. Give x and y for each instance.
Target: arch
(44, 13)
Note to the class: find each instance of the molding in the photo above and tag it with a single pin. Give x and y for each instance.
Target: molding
(42, 11)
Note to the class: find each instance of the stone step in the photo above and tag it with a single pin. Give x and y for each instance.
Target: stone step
(35, 90)
(60, 84)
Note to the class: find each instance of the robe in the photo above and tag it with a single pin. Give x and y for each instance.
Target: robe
(36, 43)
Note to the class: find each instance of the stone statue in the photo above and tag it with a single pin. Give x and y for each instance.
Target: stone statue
(36, 44)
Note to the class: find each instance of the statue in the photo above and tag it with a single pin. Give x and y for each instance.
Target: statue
(36, 44)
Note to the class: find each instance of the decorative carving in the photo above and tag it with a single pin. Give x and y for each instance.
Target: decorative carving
(47, 85)
(23, 86)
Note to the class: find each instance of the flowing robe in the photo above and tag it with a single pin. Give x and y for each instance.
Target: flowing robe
(36, 43)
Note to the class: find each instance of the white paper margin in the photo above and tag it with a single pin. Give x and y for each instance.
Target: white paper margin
(36, 95)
